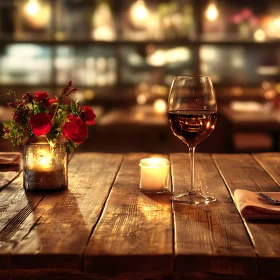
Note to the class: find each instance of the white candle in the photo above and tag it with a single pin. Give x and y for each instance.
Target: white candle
(154, 175)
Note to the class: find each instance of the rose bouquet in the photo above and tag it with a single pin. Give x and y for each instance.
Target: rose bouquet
(39, 115)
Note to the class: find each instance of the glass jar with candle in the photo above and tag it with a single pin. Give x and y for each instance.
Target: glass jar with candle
(45, 166)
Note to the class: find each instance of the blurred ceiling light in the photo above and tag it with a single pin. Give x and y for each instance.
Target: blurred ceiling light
(212, 12)
(37, 13)
(259, 35)
(277, 27)
(139, 12)
(277, 22)
(32, 7)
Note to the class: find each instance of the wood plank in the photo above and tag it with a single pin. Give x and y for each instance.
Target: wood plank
(16, 206)
(134, 234)
(8, 174)
(270, 162)
(55, 234)
(210, 240)
(241, 171)
(268, 231)
(245, 172)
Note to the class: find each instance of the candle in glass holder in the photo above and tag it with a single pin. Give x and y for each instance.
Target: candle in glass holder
(45, 167)
(40, 159)
(154, 175)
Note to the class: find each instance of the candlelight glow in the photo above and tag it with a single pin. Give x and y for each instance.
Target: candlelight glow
(44, 159)
(154, 175)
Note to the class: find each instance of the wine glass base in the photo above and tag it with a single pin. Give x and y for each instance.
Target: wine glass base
(193, 198)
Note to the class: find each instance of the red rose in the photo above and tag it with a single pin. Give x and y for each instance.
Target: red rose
(39, 96)
(50, 102)
(75, 130)
(41, 123)
(88, 115)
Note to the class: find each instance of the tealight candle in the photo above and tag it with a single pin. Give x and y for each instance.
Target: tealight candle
(154, 175)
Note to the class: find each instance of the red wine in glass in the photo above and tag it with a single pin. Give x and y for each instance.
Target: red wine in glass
(192, 116)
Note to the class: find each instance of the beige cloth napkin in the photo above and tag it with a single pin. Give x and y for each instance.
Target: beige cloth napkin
(252, 206)
(10, 158)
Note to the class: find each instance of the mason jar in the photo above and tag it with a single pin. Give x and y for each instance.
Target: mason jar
(45, 167)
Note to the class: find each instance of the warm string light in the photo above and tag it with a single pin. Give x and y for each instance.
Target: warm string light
(32, 7)
(212, 12)
(139, 12)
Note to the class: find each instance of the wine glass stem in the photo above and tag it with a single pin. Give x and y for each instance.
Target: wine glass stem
(192, 190)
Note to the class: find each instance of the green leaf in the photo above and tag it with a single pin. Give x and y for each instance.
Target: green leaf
(70, 146)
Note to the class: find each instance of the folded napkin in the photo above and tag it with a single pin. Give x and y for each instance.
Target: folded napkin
(252, 206)
(10, 158)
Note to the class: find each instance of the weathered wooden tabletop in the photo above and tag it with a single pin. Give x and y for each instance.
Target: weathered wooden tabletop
(103, 227)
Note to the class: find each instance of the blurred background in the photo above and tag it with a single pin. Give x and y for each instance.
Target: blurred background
(122, 55)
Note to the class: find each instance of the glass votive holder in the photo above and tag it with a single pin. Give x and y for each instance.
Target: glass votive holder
(154, 175)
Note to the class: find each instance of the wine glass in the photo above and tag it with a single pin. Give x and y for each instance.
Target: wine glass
(192, 116)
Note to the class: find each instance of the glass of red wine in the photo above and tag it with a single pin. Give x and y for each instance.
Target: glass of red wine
(192, 116)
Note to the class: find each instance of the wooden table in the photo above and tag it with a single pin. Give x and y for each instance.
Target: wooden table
(103, 227)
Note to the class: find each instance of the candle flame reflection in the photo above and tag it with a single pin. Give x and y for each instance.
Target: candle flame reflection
(44, 159)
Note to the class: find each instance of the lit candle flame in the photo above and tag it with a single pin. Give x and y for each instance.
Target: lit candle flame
(44, 159)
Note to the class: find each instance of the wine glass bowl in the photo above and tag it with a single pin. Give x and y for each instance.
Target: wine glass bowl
(192, 115)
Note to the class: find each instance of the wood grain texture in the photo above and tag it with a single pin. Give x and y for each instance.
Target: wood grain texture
(55, 234)
(246, 172)
(103, 227)
(241, 171)
(15, 207)
(266, 234)
(210, 240)
(135, 230)
(8, 174)
(270, 162)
